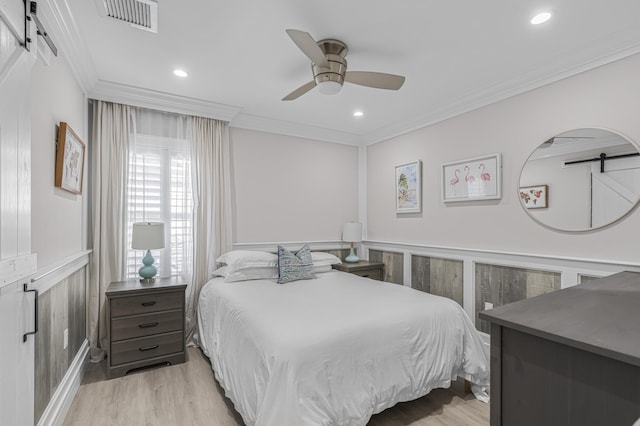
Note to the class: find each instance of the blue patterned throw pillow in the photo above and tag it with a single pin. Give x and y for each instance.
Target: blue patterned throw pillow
(293, 267)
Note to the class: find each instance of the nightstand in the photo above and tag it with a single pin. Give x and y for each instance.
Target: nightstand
(364, 268)
(145, 324)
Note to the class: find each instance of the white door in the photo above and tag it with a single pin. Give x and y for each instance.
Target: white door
(16, 356)
(16, 263)
(614, 192)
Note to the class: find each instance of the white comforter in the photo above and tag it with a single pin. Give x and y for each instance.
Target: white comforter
(334, 350)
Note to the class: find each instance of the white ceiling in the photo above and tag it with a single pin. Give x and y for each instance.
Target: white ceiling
(456, 56)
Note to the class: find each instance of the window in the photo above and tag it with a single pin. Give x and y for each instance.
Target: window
(159, 190)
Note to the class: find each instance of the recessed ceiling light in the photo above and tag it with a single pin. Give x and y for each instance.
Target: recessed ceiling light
(358, 113)
(541, 18)
(180, 73)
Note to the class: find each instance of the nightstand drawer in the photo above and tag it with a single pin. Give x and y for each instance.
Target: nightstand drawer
(144, 325)
(143, 304)
(374, 274)
(146, 347)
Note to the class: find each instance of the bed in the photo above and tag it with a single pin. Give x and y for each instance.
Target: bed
(333, 350)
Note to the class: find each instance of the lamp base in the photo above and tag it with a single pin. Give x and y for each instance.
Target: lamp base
(352, 258)
(148, 271)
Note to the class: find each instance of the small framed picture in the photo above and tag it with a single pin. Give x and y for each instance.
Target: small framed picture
(535, 197)
(473, 179)
(408, 188)
(70, 153)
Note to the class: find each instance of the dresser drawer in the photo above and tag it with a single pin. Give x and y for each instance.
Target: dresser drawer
(374, 274)
(132, 305)
(146, 324)
(146, 347)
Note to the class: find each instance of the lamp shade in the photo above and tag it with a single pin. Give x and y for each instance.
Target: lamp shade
(352, 232)
(147, 236)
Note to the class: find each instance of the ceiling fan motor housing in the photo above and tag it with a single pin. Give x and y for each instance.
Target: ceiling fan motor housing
(335, 51)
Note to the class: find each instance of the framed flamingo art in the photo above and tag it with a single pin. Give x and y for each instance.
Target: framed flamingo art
(473, 179)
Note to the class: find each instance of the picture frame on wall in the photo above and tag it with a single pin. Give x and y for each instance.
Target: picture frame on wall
(70, 154)
(473, 179)
(535, 197)
(408, 188)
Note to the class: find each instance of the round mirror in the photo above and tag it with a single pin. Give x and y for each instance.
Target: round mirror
(581, 180)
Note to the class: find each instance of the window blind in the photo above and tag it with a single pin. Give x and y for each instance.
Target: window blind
(159, 190)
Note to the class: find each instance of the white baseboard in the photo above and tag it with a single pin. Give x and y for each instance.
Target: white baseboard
(61, 400)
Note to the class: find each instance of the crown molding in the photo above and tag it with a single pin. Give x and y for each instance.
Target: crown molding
(136, 96)
(628, 46)
(60, 23)
(269, 125)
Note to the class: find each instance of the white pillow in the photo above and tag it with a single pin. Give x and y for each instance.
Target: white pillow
(240, 259)
(320, 258)
(245, 274)
(322, 268)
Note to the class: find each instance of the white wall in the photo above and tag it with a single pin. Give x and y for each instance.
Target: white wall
(56, 219)
(291, 189)
(607, 97)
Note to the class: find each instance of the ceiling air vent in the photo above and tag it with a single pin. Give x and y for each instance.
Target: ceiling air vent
(141, 14)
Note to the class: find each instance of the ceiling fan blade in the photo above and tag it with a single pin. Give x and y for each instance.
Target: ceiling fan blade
(300, 91)
(378, 80)
(309, 47)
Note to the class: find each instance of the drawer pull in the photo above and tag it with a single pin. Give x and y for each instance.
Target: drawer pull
(148, 348)
(149, 324)
(148, 303)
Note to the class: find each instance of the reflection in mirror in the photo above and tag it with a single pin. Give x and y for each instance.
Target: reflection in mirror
(581, 180)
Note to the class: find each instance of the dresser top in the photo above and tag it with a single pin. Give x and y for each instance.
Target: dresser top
(600, 316)
(134, 285)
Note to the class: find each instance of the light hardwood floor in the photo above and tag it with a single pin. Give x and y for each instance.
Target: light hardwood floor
(187, 394)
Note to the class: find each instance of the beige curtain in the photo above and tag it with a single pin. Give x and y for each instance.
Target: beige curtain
(109, 172)
(211, 186)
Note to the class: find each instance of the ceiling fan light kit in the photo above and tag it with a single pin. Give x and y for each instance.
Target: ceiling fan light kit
(329, 67)
(330, 79)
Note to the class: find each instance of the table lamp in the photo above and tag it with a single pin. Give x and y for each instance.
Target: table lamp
(147, 236)
(352, 233)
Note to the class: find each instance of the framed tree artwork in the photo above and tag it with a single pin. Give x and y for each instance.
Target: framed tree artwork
(408, 189)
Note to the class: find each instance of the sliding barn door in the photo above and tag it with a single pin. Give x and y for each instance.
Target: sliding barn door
(615, 191)
(16, 262)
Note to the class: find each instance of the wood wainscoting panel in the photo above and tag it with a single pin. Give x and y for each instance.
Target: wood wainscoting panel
(583, 278)
(62, 307)
(500, 285)
(442, 277)
(42, 355)
(393, 265)
(59, 355)
(77, 312)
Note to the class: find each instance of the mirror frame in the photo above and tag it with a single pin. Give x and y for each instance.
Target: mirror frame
(584, 230)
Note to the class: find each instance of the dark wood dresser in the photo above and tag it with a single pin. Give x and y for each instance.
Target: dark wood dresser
(145, 324)
(363, 268)
(571, 357)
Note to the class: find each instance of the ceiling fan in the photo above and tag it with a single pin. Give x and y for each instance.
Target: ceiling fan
(329, 68)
